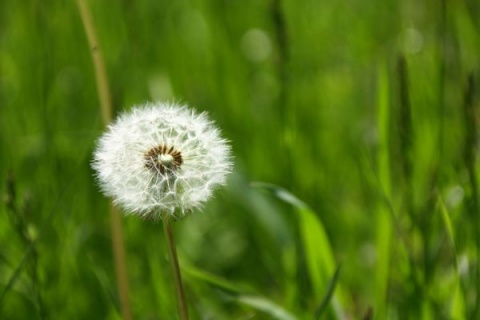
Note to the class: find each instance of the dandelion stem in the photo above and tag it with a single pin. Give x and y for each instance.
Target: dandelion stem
(172, 252)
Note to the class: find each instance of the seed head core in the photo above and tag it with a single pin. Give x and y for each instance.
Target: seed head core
(163, 159)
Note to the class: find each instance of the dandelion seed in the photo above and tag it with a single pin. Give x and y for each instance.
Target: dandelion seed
(161, 159)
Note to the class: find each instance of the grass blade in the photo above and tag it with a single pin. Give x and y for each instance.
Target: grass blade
(318, 252)
(457, 309)
(328, 296)
(216, 281)
(265, 306)
(240, 294)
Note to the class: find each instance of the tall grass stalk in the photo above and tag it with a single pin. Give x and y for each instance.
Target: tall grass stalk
(287, 116)
(406, 167)
(405, 134)
(470, 159)
(101, 78)
(107, 111)
(384, 226)
(442, 52)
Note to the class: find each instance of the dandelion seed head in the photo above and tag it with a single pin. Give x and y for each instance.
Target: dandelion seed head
(161, 159)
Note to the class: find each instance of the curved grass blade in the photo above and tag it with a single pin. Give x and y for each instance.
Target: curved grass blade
(216, 281)
(328, 296)
(318, 251)
(266, 306)
(457, 309)
(240, 294)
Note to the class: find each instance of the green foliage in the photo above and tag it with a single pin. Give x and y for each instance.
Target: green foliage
(361, 116)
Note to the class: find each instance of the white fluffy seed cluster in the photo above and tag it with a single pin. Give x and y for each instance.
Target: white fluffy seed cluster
(161, 159)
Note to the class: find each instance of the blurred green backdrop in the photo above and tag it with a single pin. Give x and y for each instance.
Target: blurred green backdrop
(364, 110)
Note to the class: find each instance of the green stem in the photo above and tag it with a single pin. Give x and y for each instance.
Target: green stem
(172, 253)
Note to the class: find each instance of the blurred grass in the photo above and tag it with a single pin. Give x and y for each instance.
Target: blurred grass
(317, 115)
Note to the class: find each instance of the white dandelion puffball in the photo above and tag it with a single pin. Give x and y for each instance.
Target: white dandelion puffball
(161, 159)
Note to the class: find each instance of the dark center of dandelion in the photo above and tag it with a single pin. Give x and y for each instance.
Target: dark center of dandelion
(163, 159)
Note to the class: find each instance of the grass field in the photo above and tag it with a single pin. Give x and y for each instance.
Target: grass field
(354, 126)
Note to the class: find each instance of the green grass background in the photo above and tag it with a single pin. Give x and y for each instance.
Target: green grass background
(360, 113)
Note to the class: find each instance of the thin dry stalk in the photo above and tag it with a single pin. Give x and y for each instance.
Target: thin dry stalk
(106, 109)
(98, 63)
